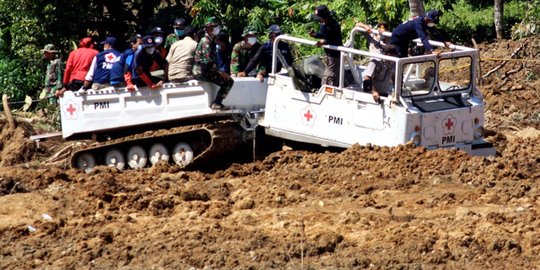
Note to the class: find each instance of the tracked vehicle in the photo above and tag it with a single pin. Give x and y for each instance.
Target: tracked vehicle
(430, 101)
(135, 129)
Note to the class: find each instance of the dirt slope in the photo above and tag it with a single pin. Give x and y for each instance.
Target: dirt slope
(379, 208)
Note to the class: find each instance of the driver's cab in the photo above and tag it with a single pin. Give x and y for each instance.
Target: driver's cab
(432, 77)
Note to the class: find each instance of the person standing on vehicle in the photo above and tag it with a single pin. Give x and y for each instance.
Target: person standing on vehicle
(378, 44)
(263, 57)
(329, 34)
(179, 27)
(99, 73)
(243, 51)
(205, 67)
(418, 27)
(53, 75)
(181, 57)
(121, 72)
(77, 66)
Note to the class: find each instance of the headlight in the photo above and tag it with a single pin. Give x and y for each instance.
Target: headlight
(478, 132)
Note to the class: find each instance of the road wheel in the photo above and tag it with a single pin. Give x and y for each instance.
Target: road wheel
(137, 157)
(115, 158)
(183, 154)
(158, 152)
(86, 162)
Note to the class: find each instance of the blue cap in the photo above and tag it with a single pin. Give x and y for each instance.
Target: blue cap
(148, 41)
(109, 40)
(434, 15)
(274, 28)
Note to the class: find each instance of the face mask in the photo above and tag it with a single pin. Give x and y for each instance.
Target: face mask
(179, 32)
(158, 40)
(431, 24)
(252, 40)
(150, 50)
(216, 30)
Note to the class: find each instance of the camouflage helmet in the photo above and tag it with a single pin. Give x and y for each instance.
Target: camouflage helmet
(211, 21)
(249, 30)
(49, 48)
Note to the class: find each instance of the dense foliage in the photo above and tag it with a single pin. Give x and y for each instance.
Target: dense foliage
(27, 25)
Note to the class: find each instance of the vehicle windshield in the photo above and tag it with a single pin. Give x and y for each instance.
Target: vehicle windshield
(455, 74)
(418, 78)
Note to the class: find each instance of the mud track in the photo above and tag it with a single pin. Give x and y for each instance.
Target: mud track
(365, 207)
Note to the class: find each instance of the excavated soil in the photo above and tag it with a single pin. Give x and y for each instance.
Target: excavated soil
(365, 207)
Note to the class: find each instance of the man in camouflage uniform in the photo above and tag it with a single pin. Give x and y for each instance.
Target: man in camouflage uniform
(179, 26)
(205, 66)
(243, 51)
(53, 76)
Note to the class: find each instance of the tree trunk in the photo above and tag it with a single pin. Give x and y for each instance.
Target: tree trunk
(416, 7)
(498, 18)
(7, 111)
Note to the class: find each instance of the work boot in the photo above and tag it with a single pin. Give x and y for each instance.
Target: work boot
(218, 106)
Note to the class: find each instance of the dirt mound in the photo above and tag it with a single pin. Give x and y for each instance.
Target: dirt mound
(15, 146)
(365, 207)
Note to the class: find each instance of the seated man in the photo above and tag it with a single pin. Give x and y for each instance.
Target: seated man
(181, 57)
(99, 73)
(243, 51)
(205, 67)
(263, 57)
(179, 27)
(121, 75)
(145, 56)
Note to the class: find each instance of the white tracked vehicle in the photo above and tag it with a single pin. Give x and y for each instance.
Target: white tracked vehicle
(431, 101)
(173, 123)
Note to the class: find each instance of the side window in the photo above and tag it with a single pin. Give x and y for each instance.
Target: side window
(455, 73)
(418, 78)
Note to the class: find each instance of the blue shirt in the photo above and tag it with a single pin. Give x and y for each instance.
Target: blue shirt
(124, 64)
(103, 65)
(224, 59)
(412, 29)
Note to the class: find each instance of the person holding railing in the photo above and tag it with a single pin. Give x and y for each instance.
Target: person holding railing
(418, 27)
(377, 44)
(329, 34)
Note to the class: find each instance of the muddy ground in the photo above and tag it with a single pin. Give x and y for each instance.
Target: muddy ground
(365, 207)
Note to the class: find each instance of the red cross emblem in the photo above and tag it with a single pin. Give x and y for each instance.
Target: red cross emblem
(448, 125)
(308, 116)
(110, 57)
(71, 110)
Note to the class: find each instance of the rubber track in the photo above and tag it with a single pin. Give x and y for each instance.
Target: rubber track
(225, 137)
